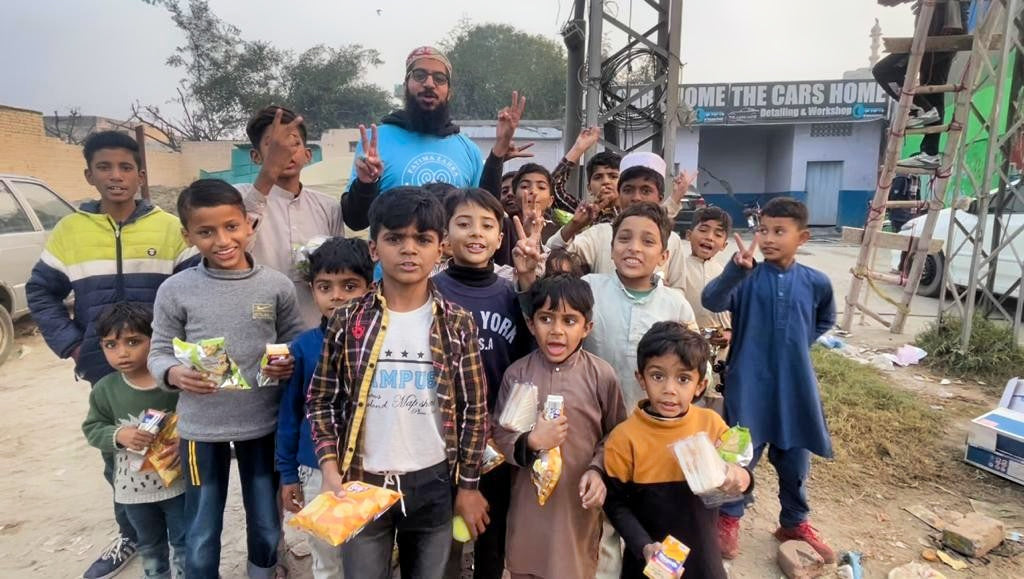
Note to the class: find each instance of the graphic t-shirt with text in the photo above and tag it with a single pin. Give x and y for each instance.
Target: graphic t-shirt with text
(403, 422)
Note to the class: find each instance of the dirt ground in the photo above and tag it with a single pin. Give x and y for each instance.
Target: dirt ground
(56, 514)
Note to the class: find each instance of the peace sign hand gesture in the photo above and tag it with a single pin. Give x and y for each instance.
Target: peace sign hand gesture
(369, 167)
(526, 254)
(745, 256)
(508, 122)
(681, 184)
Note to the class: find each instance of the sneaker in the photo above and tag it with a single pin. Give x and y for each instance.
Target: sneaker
(728, 536)
(923, 118)
(113, 560)
(808, 534)
(921, 161)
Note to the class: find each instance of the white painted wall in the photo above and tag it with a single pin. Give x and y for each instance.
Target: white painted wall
(859, 152)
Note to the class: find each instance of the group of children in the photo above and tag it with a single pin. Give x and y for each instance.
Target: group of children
(399, 382)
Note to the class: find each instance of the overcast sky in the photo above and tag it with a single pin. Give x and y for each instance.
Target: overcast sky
(101, 55)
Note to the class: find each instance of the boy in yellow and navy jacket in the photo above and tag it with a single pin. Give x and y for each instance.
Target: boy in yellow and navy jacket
(117, 249)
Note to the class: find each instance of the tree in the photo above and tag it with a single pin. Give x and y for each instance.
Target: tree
(227, 78)
(324, 85)
(489, 61)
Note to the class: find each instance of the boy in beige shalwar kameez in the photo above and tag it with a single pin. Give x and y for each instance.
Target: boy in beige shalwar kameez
(560, 539)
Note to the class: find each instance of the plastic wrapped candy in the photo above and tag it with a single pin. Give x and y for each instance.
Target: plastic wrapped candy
(274, 353)
(520, 411)
(668, 562)
(706, 467)
(492, 458)
(210, 357)
(336, 520)
(547, 468)
(167, 468)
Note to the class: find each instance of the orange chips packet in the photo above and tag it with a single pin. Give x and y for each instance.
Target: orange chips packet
(336, 520)
(169, 468)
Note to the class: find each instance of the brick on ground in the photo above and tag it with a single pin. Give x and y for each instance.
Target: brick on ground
(798, 560)
(974, 535)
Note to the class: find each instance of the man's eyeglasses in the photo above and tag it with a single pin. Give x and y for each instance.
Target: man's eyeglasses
(419, 75)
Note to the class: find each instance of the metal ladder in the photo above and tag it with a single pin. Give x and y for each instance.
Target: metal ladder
(872, 237)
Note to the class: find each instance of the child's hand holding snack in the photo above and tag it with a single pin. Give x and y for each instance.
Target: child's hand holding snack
(280, 368)
(650, 550)
(737, 480)
(592, 489)
(548, 434)
(292, 498)
(132, 438)
(472, 507)
(332, 478)
(190, 380)
(170, 455)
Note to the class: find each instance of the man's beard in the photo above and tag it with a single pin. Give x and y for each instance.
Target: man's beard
(422, 120)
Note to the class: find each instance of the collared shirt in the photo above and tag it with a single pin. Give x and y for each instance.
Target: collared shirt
(286, 222)
(338, 393)
(621, 319)
(594, 246)
(699, 273)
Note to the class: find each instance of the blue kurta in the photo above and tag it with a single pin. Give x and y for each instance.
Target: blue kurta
(770, 384)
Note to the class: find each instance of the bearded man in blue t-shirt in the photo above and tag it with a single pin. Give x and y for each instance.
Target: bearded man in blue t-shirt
(416, 145)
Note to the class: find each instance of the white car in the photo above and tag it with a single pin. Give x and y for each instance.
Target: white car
(1008, 269)
(29, 209)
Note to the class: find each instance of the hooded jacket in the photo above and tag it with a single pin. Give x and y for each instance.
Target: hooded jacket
(104, 263)
(412, 158)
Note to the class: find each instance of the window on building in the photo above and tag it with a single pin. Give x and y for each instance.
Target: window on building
(831, 130)
(48, 206)
(13, 218)
(352, 146)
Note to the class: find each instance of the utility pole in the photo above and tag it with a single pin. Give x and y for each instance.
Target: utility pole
(575, 38)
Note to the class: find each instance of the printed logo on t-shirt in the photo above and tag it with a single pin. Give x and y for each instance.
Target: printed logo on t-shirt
(263, 311)
(431, 168)
(404, 380)
(491, 325)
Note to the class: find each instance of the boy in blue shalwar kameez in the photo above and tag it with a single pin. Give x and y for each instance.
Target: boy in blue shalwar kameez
(779, 308)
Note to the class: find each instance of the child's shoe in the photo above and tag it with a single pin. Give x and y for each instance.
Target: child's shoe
(806, 533)
(113, 560)
(728, 536)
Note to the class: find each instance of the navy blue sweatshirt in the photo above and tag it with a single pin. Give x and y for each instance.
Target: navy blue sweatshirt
(504, 337)
(294, 433)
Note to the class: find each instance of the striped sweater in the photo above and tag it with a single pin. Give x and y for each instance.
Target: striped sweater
(103, 262)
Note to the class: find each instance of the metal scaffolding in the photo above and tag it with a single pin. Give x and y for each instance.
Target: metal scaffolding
(996, 266)
(635, 84)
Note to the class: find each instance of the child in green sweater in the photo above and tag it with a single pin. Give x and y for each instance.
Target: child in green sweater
(157, 511)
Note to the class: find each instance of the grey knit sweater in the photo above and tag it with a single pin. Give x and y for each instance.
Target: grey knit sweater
(249, 309)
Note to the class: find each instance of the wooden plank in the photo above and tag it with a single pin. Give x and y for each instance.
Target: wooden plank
(936, 88)
(927, 130)
(951, 43)
(887, 240)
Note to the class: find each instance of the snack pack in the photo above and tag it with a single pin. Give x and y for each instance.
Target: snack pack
(705, 466)
(336, 520)
(547, 469)
(210, 357)
(150, 421)
(520, 412)
(274, 352)
(668, 562)
(492, 458)
(169, 469)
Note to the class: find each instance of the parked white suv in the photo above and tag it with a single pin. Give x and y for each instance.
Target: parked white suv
(1008, 270)
(29, 210)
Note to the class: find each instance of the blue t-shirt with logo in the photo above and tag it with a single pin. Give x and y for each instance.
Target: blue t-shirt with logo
(417, 159)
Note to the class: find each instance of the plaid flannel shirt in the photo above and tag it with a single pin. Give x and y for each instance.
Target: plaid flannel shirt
(336, 406)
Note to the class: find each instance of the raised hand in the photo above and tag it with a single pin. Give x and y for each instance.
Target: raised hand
(744, 257)
(517, 152)
(508, 122)
(526, 255)
(369, 167)
(585, 215)
(681, 184)
(587, 138)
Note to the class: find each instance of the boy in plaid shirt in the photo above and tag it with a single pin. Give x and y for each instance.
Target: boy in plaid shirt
(399, 397)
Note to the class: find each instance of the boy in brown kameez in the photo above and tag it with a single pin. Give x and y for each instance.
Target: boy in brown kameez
(560, 539)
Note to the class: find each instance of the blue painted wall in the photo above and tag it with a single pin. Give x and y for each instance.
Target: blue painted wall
(243, 170)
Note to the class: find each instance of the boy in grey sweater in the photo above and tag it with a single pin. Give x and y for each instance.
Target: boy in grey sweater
(249, 306)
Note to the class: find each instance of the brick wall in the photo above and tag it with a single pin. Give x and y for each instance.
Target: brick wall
(26, 150)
